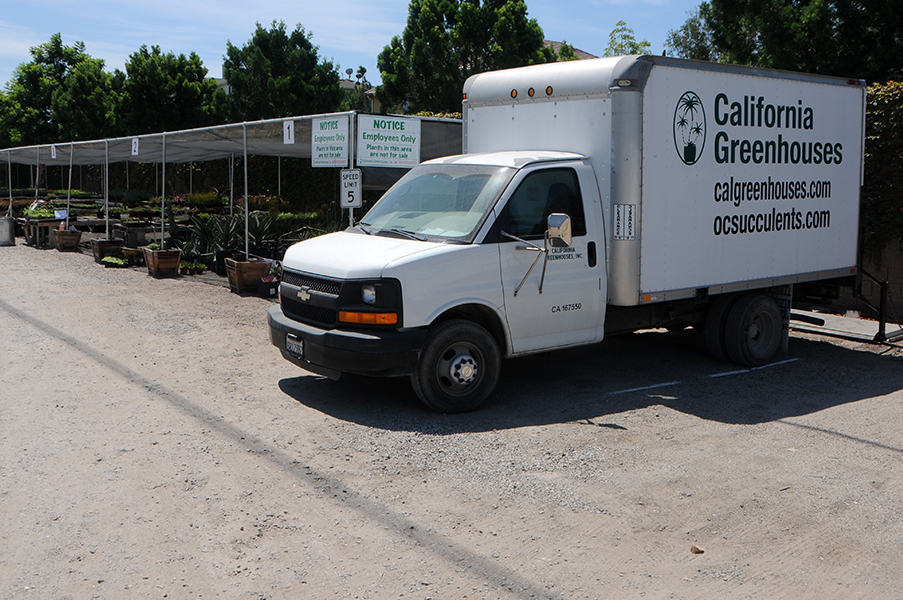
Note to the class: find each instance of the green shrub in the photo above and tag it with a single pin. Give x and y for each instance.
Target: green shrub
(205, 200)
(882, 206)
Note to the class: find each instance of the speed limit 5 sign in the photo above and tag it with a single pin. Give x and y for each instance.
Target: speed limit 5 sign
(351, 194)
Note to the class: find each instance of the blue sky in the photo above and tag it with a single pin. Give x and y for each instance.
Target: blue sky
(349, 32)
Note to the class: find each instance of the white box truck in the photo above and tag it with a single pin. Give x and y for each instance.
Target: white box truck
(593, 197)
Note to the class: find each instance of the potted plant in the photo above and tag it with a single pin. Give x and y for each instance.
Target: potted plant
(161, 262)
(66, 239)
(245, 275)
(106, 247)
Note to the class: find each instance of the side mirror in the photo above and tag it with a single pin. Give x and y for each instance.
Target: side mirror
(559, 230)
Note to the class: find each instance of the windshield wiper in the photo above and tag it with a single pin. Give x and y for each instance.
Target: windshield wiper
(404, 233)
(363, 227)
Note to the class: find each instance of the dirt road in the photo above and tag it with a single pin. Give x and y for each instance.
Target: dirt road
(155, 445)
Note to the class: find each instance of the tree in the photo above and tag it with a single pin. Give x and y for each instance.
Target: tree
(29, 117)
(622, 41)
(6, 139)
(882, 211)
(693, 39)
(357, 98)
(165, 92)
(276, 74)
(446, 41)
(86, 104)
(862, 38)
(566, 52)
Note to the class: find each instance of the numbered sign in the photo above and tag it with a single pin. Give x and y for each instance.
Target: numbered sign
(352, 194)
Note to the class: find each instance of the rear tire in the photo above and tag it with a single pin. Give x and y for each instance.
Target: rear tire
(458, 368)
(752, 333)
(714, 326)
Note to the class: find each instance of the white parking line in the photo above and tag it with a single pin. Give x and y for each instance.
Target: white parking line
(712, 376)
(741, 371)
(645, 387)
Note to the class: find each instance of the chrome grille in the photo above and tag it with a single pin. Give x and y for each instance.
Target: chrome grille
(319, 284)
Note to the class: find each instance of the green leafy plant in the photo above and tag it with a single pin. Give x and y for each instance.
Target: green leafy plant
(40, 213)
(114, 261)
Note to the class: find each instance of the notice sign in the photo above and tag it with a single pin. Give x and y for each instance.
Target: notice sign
(288, 132)
(352, 194)
(329, 142)
(388, 141)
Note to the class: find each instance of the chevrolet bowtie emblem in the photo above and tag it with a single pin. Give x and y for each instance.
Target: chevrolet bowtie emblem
(304, 294)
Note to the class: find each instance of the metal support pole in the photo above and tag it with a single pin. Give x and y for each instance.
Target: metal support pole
(244, 133)
(351, 156)
(9, 169)
(106, 185)
(231, 183)
(279, 177)
(69, 189)
(881, 336)
(163, 199)
(37, 170)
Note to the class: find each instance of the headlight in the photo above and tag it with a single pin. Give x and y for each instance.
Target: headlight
(368, 294)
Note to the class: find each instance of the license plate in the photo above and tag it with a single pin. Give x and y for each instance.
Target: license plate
(294, 345)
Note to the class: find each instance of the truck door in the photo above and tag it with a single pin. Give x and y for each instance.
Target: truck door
(569, 310)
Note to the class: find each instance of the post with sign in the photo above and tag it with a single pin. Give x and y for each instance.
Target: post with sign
(351, 195)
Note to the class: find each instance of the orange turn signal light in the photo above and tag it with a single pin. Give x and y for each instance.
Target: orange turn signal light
(368, 318)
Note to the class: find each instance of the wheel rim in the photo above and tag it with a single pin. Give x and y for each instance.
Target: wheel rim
(458, 369)
(762, 333)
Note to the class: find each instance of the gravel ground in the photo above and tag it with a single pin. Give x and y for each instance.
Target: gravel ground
(155, 445)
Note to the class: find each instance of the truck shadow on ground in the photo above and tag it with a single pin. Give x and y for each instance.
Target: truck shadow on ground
(623, 374)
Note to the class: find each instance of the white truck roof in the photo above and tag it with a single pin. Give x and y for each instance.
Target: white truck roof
(516, 158)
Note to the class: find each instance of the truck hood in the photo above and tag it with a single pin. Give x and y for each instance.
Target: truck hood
(345, 255)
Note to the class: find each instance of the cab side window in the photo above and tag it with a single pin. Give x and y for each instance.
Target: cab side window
(540, 194)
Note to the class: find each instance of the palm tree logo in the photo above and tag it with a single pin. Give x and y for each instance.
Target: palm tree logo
(689, 128)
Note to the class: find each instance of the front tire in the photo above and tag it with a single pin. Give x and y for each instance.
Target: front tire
(458, 368)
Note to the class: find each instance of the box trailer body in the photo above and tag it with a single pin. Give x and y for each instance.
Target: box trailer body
(770, 194)
(592, 197)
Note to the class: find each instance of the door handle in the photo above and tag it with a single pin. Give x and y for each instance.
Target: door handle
(591, 253)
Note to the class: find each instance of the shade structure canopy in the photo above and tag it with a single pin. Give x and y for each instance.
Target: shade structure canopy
(438, 137)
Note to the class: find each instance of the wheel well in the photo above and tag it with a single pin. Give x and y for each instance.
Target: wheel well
(482, 315)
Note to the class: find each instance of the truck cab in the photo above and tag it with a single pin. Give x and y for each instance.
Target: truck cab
(452, 270)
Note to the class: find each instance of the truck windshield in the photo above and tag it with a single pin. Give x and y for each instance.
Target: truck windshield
(442, 201)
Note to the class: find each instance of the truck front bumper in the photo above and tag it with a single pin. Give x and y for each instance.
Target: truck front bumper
(331, 352)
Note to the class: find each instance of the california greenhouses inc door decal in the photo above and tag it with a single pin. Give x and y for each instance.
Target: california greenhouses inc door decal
(689, 128)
